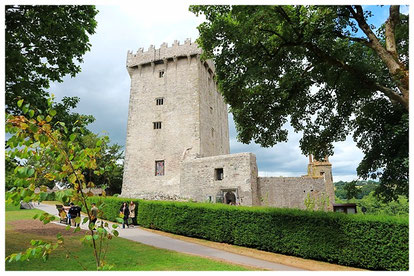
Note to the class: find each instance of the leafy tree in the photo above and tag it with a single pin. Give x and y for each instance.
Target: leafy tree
(61, 115)
(326, 70)
(10, 166)
(43, 44)
(364, 188)
(110, 159)
(34, 137)
(64, 114)
(367, 188)
(375, 206)
(351, 190)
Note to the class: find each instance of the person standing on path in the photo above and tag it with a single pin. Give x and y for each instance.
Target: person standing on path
(94, 213)
(73, 213)
(132, 213)
(124, 213)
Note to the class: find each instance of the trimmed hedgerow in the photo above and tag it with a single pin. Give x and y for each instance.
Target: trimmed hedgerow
(379, 243)
(372, 242)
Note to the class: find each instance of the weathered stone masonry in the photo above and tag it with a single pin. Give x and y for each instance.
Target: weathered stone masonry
(177, 144)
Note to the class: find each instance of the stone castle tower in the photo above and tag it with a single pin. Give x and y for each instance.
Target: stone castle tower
(175, 113)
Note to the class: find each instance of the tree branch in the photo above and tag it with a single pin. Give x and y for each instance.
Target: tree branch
(390, 24)
(355, 39)
(267, 51)
(390, 93)
(396, 68)
(272, 32)
(282, 12)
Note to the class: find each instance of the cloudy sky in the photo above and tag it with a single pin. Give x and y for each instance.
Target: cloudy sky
(103, 85)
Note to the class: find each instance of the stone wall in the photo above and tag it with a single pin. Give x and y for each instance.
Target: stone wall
(323, 169)
(199, 183)
(288, 192)
(214, 128)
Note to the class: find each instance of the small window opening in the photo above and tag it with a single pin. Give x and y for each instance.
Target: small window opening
(161, 73)
(211, 110)
(212, 132)
(157, 125)
(159, 168)
(159, 101)
(219, 174)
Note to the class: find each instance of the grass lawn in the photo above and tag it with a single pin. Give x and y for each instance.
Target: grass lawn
(123, 254)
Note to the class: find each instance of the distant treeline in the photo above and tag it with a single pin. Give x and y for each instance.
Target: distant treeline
(365, 187)
(363, 194)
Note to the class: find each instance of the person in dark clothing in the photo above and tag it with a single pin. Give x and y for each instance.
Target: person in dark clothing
(74, 212)
(124, 212)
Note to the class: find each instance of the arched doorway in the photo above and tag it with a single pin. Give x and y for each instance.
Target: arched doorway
(230, 198)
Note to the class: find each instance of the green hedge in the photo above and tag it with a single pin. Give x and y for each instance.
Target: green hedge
(372, 242)
(379, 243)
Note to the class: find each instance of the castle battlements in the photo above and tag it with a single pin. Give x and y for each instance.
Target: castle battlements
(165, 53)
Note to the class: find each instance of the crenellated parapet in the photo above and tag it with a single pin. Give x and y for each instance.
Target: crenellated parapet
(164, 54)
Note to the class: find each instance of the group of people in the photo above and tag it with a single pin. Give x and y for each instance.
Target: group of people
(128, 212)
(70, 212)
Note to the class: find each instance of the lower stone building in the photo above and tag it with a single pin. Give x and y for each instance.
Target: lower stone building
(233, 179)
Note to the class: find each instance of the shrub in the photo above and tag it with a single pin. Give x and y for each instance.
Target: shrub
(51, 197)
(372, 242)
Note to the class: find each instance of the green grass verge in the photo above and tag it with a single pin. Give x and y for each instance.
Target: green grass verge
(122, 253)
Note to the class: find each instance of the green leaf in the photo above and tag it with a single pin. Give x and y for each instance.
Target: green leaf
(43, 196)
(88, 237)
(48, 118)
(20, 102)
(22, 171)
(30, 172)
(31, 113)
(72, 136)
(116, 233)
(98, 143)
(52, 112)
(25, 109)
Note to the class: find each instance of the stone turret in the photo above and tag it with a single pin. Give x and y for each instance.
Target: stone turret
(322, 168)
